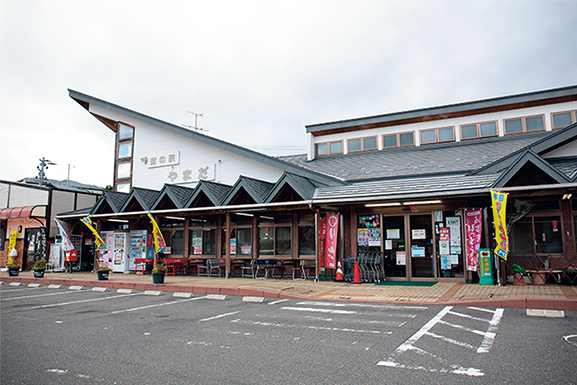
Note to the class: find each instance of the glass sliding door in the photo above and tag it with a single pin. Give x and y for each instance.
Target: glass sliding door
(421, 249)
(395, 252)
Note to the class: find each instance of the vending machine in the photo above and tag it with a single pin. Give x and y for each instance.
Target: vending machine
(120, 257)
(106, 259)
(137, 247)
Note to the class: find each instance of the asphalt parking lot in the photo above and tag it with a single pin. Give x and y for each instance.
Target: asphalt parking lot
(67, 336)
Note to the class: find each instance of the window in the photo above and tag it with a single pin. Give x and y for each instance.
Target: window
(362, 144)
(123, 187)
(125, 132)
(124, 170)
(330, 148)
(478, 130)
(275, 235)
(125, 150)
(202, 236)
(241, 235)
(563, 119)
(2, 234)
(173, 234)
(307, 234)
(437, 135)
(527, 124)
(398, 140)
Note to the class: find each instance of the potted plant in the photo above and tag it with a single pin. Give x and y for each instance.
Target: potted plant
(103, 272)
(39, 267)
(13, 269)
(158, 273)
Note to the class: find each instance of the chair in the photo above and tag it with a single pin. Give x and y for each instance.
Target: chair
(248, 271)
(307, 266)
(212, 265)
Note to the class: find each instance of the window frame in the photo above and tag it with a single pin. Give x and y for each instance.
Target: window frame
(478, 128)
(328, 144)
(203, 225)
(122, 181)
(523, 124)
(362, 140)
(436, 130)
(274, 225)
(398, 139)
(573, 114)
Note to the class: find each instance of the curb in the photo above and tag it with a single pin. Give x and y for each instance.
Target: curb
(519, 303)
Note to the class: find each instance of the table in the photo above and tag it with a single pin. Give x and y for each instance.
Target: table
(267, 265)
(142, 265)
(176, 264)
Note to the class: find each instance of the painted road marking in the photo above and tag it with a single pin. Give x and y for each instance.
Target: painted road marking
(219, 316)
(39, 295)
(350, 304)
(279, 301)
(317, 310)
(75, 302)
(445, 366)
(572, 339)
(149, 306)
(310, 327)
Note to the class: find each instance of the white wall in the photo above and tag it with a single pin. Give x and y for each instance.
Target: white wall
(455, 122)
(151, 141)
(26, 196)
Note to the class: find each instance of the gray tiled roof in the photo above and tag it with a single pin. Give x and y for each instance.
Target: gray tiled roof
(406, 187)
(567, 166)
(447, 158)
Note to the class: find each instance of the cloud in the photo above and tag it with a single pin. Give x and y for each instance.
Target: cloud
(259, 71)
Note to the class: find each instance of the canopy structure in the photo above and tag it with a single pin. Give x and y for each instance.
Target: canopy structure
(27, 212)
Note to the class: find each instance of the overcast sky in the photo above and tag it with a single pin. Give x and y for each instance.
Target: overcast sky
(258, 71)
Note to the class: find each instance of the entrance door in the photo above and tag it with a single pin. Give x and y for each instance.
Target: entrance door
(29, 249)
(395, 251)
(421, 239)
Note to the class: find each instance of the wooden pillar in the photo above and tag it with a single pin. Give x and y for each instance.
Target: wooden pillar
(295, 236)
(186, 240)
(255, 237)
(227, 248)
(318, 242)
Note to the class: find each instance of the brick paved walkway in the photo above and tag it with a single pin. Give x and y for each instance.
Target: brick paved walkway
(531, 296)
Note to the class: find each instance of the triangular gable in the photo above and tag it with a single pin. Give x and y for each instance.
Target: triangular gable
(139, 199)
(172, 197)
(247, 191)
(541, 147)
(110, 202)
(529, 162)
(207, 194)
(86, 100)
(291, 187)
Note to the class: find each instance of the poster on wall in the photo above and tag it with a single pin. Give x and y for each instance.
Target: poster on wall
(417, 251)
(444, 239)
(473, 229)
(388, 244)
(438, 216)
(401, 258)
(454, 224)
(393, 233)
(374, 237)
(197, 242)
(419, 234)
(445, 262)
(363, 237)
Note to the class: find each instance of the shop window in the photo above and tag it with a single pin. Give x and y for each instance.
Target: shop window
(307, 234)
(479, 130)
(525, 124)
(563, 119)
(330, 148)
(175, 240)
(437, 135)
(399, 140)
(241, 242)
(202, 235)
(275, 237)
(537, 234)
(2, 234)
(362, 144)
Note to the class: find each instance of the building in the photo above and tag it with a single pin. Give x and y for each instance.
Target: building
(27, 209)
(403, 185)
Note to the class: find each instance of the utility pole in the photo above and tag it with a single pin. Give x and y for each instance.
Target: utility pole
(44, 163)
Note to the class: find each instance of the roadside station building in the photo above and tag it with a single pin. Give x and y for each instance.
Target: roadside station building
(402, 186)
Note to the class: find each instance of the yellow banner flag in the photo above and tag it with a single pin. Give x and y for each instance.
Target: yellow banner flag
(101, 245)
(499, 202)
(159, 244)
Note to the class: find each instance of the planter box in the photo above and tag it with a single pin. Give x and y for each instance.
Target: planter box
(38, 273)
(13, 272)
(157, 278)
(103, 275)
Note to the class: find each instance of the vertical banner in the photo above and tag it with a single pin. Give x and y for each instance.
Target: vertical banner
(499, 202)
(11, 246)
(322, 247)
(159, 244)
(99, 242)
(41, 243)
(331, 246)
(66, 244)
(473, 228)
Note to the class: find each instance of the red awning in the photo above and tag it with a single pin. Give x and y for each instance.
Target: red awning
(38, 211)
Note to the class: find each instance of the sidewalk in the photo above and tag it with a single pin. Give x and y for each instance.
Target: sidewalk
(558, 297)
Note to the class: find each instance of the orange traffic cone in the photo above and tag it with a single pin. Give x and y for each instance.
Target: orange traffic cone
(357, 276)
(340, 276)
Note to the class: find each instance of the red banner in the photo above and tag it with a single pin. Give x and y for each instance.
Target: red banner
(331, 244)
(473, 228)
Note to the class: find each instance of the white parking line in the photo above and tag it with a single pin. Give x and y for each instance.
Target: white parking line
(39, 295)
(149, 306)
(219, 316)
(317, 310)
(75, 302)
(313, 327)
